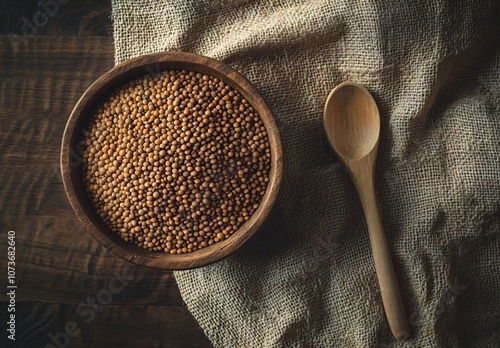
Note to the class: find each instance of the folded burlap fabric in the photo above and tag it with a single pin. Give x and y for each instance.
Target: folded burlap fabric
(308, 279)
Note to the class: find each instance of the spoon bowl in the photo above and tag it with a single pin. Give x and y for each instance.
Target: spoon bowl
(352, 125)
(356, 133)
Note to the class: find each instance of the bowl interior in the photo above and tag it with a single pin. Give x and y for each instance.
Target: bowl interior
(71, 157)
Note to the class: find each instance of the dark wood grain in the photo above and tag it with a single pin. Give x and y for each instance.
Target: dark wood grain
(59, 266)
(40, 324)
(56, 17)
(71, 159)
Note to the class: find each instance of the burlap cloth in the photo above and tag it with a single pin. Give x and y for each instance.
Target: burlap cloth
(308, 279)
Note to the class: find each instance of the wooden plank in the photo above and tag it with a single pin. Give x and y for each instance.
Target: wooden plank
(40, 324)
(55, 17)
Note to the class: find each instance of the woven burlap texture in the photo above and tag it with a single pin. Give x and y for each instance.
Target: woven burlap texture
(308, 278)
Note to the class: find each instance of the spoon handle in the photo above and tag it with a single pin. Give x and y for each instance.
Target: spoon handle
(391, 297)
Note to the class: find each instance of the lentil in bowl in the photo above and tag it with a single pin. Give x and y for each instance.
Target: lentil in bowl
(174, 169)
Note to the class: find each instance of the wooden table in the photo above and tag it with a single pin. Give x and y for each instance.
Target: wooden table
(71, 292)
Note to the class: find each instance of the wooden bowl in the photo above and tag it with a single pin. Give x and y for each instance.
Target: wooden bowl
(71, 157)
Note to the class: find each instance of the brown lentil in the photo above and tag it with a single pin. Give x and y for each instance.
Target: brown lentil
(175, 162)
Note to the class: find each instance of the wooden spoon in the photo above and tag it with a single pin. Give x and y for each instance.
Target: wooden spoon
(352, 125)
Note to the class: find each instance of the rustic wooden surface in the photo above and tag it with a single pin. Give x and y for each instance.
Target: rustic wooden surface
(60, 268)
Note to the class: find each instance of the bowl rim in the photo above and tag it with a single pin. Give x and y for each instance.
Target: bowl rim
(70, 158)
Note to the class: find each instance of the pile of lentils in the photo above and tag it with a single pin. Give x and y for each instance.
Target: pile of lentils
(175, 162)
